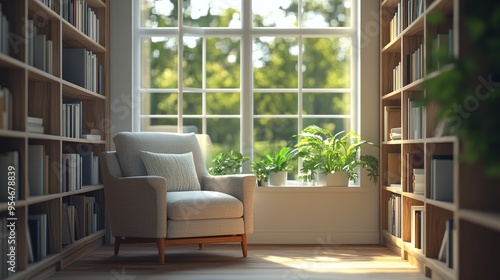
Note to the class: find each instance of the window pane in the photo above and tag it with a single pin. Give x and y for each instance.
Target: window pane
(224, 134)
(192, 62)
(326, 104)
(327, 62)
(223, 103)
(321, 13)
(275, 103)
(191, 125)
(192, 103)
(212, 13)
(159, 13)
(334, 124)
(159, 62)
(159, 103)
(223, 62)
(275, 62)
(162, 124)
(276, 132)
(275, 13)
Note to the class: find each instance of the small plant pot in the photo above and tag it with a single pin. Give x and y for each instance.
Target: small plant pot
(95, 131)
(337, 179)
(278, 178)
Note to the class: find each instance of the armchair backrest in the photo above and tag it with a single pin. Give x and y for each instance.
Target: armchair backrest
(130, 144)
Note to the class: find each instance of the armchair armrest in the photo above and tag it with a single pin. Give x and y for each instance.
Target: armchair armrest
(136, 206)
(240, 186)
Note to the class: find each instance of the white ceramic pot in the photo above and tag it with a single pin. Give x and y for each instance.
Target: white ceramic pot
(337, 179)
(278, 178)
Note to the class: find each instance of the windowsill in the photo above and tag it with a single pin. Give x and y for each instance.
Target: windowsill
(295, 186)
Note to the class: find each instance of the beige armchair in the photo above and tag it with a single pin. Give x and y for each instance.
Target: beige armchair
(157, 189)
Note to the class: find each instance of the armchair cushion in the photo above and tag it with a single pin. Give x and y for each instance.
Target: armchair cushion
(178, 169)
(202, 205)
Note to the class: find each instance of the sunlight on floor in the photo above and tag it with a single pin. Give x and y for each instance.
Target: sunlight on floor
(329, 264)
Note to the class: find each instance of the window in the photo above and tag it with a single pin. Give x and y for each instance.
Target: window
(249, 74)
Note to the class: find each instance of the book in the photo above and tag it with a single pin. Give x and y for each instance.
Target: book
(91, 136)
(78, 201)
(442, 177)
(36, 170)
(449, 245)
(6, 102)
(74, 65)
(392, 119)
(444, 247)
(40, 52)
(37, 224)
(417, 226)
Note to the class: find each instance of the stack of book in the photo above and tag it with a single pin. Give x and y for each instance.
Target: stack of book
(35, 125)
(418, 181)
(396, 77)
(396, 24)
(80, 67)
(414, 9)
(82, 17)
(415, 65)
(395, 133)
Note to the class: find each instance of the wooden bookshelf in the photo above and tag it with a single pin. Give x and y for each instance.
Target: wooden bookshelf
(473, 210)
(39, 93)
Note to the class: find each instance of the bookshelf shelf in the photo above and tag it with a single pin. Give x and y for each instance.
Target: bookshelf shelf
(33, 94)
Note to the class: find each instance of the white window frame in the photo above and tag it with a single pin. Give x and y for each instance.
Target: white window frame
(247, 33)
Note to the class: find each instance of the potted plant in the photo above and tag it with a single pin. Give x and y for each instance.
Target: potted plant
(261, 170)
(227, 163)
(325, 153)
(278, 165)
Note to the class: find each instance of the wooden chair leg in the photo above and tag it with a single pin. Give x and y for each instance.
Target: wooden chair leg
(201, 245)
(160, 242)
(117, 244)
(244, 246)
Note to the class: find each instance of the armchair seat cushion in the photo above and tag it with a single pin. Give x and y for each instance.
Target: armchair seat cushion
(202, 205)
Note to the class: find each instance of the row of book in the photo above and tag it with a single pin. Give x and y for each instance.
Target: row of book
(51, 4)
(81, 216)
(394, 215)
(79, 170)
(396, 23)
(442, 49)
(81, 67)
(79, 14)
(4, 32)
(414, 9)
(6, 108)
(40, 49)
(72, 119)
(396, 77)
(415, 65)
(415, 119)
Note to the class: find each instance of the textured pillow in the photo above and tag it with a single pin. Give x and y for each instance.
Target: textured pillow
(178, 169)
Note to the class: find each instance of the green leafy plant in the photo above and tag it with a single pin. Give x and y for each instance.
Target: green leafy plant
(261, 170)
(280, 160)
(227, 163)
(325, 152)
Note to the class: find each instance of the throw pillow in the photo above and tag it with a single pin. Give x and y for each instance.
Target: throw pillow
(178, 169)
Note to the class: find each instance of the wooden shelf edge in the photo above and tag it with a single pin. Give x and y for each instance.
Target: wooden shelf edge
(80, 243)
(450, 206)
(12, 133)
(84, 189)
(37, 6)
(73, 91)
(42, 198)
(71, 33)
(485, 219)
(10, 62)
(441, 268)
(4, 206)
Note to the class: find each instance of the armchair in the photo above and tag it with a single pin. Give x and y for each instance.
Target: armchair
(157, 189)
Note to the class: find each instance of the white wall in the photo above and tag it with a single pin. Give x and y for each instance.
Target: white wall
(284, 215)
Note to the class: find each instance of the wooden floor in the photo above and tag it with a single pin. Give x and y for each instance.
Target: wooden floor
(225, 262)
